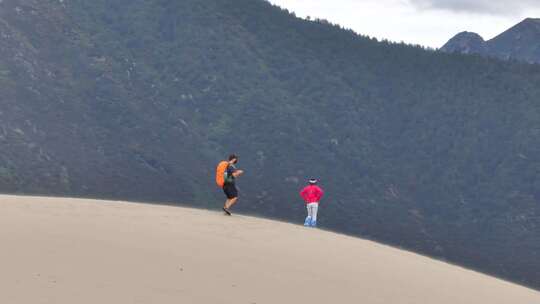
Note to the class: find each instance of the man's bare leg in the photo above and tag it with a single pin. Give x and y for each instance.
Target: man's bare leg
(225, 208)
(230, 202)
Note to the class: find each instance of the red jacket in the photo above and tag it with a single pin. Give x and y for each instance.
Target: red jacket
(312, 194)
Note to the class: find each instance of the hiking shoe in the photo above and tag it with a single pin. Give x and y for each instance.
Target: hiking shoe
(307, 222)
(313, 224)
(227, 212)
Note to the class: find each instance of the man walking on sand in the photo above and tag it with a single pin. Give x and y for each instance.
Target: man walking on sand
(229, 185)
(312, 195)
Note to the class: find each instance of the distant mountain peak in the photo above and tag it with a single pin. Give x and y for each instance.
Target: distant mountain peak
(526, 24)
(532, 20)
(466, 43)
(470, 35)
(520, 42)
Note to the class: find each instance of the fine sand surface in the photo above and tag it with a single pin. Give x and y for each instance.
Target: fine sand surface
(66, 251)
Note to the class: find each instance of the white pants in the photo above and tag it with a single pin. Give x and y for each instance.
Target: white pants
(312, 209)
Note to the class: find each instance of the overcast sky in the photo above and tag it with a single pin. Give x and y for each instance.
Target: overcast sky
(426, 22)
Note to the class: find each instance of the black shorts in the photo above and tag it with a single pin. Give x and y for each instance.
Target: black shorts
(230, 191)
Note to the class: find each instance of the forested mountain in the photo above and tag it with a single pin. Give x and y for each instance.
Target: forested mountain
(521, 42)
(140, 99)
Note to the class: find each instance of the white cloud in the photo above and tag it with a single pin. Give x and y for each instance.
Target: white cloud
(504, 7)
(425, 22)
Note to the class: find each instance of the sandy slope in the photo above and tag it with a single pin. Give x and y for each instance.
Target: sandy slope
(81, 251)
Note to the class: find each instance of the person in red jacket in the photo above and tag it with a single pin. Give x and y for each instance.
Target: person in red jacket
(312, 195)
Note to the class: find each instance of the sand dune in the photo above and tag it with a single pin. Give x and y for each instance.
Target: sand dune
(60, 251)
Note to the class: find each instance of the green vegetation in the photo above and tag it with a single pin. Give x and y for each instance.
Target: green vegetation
(140, 99)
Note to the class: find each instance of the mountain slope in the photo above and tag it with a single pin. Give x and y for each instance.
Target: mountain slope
(519, 43)
(465, 43)
(140, 99)
(128, 253)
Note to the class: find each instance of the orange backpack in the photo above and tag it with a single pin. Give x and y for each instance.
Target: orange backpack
(220, 173)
